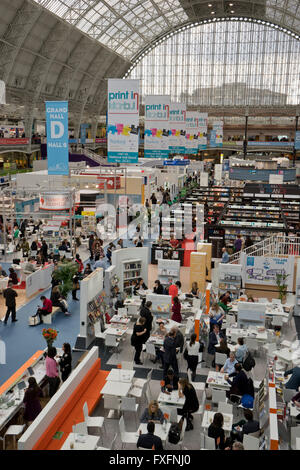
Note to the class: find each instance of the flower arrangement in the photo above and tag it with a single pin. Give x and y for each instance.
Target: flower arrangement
(49, 335)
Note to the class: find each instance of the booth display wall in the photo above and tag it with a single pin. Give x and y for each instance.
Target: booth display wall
(198, 270)
(126, 254)
(39, 280)
(206, 248)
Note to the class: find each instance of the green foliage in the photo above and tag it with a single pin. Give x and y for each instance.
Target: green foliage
(282, 286)
(64, 273)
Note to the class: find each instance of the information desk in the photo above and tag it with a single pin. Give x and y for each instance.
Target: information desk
(162, 252)
(10, 395)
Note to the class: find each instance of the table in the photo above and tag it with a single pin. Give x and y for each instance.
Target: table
(249, 333)
(121, 375)
(232, 347)
(158, 431)
(169, 323)
(116, 330)
(89, 444)
(119, 319)
(172, 399)
(208, 419)
(289, 356)
(117, 389)
(156, 339)
(217, 380)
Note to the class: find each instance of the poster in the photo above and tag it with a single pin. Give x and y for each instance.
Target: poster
(123, 121)
(157, 113)
(263, 270)
(202, 131)
(2, 92)
(177, 128)
(192, 135)
(297, 140)
(55, 202)
(57, 137)
(216, 135)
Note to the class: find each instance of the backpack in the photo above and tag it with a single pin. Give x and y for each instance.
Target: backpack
(174, 433)
(248, 362)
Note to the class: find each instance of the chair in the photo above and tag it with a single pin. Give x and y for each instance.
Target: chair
(196, 303)
(276, 301)
(171, 411)
(111, 341)
(277, 321)
(225, 408)
(209, 443)
(180, 443)
(111, 403)
(114, 442)
(98, 332)
(250, 442)
(295, 432)
(234, 337)
(218, 396)
(126, 437)
(220, 358)
(252, 344)
(92, 421)
(255, 434)
(288, 394)
(150, 349)
(14, 430)
(137, 392)
(80, 428)
(129, 404)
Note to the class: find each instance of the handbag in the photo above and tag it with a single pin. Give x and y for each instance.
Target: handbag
(32, 321)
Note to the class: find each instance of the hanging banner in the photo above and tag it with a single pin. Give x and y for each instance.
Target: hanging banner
(217, 133)
(57, 137)
(202, 132)
(297, 140)
(2, 92)
(83, 128)
(157, 113)
(54, 201)
(177, 128)
(192, 132)
(123, 121)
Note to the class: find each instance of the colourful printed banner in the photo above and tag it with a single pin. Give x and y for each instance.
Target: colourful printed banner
(157, 113)
(123, 121)
(297, 140)
(177, 128)
(217, 134)
(202, 133)
(192, 132)
(57, 137)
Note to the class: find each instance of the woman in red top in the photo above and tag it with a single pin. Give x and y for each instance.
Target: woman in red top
(80, 263)
(176, 309)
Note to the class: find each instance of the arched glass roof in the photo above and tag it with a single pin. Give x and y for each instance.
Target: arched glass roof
(127, 26)
(228, 63)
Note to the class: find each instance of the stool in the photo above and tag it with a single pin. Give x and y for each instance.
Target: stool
(14, 431)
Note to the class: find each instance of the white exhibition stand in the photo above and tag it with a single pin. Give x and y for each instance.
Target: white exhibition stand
(39, 280)
(90, 287)
(28, 440)
(126, 254)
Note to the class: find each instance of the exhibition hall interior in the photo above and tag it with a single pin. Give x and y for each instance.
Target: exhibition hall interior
(149, 226)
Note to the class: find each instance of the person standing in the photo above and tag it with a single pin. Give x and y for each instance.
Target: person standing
(176, 310)
(170, 359)
(238, 243)
(146, 313)
(52, 371)
(191, 404)
(75, 286)
(44, 252)
(10, 301)
(65, 363)
(31, 400)
(225, 255)
(80, 263)
(91, 243)
(138, 338)
(193, 347)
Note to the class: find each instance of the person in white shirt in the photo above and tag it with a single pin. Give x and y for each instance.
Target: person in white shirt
(193, 347)
(229, 364)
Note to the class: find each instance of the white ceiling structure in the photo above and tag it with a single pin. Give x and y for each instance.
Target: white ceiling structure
(66, 49)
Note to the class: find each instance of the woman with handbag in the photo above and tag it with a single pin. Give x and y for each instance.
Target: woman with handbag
(58, 301)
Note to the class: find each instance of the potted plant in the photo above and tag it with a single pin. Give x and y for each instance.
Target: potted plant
(64, 273)
(282, 286)
(50, 336)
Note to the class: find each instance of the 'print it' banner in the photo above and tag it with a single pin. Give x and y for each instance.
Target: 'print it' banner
(57, 137)
(123, 121)
(202, 133)
(218, 132)
(192, 124)
(177, 128)
(157, 113)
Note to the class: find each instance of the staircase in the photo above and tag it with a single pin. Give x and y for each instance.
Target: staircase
(277, 245)
(93, 156)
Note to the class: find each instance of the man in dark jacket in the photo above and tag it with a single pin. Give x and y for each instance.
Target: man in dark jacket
(240, 382)
(179, 339)
(10, 301)
(214, 338)
(145, 312)
(170, 359)
(149, 440)
(294, 382)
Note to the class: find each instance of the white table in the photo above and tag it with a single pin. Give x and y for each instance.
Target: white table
(217, 380)
(232, 347)
(172, 399)
(158, 431)
(297, 443)
(117, 389)
(89, 444)
(249, 333)
(119, 319)
(208, 417)
(169, 323)
(289, 356)
(156, 340)
(121, 375)
(119, 331)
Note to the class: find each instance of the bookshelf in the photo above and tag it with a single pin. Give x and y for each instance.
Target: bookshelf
(230, 278)
(168, 269)
(297, 306)
(131, 272)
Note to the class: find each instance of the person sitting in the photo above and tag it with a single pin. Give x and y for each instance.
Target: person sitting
(176, 310)
(88, 270)
(250, 299)
(139, 243)
(141, 284)
(29, 266)
(63, 246)
(2, 272)
(195, 289)
(294, 381)
(223, 301)
(173, 242)
(229, 364)
(158, 288)
(34, 245)
(170, 382)
(31, 401)
(13, 277)
(152, 413)
(149, 440)
(245, 427)
(100, 262)
(45, 310)
(216, 431)
(178, 284)
(239, 384)
(241, 350)
(216, 315)
(222, 349)
(58, 301)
